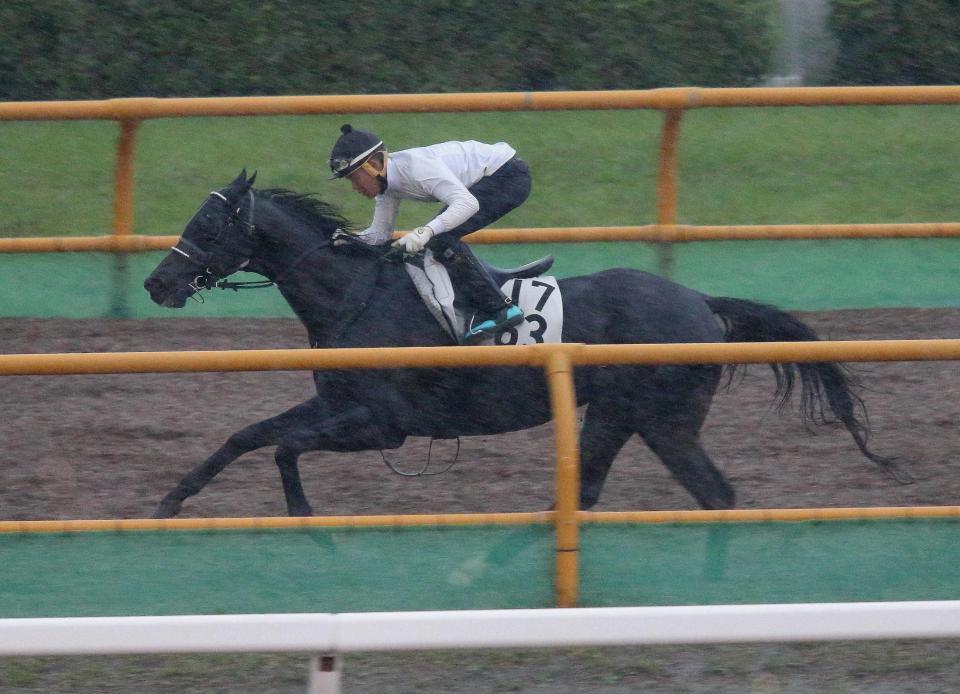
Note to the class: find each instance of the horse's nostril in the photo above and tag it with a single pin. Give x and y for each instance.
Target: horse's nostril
(153, 284)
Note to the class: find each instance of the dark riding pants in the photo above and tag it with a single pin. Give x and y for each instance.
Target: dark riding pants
(500, 192)
(503, 190)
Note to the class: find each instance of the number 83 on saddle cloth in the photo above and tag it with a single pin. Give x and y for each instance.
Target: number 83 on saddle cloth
(542, 306)
(539, 297)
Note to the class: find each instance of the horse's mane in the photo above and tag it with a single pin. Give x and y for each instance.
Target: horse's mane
(321, 216)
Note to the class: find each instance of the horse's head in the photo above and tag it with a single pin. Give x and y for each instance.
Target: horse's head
(216, 242)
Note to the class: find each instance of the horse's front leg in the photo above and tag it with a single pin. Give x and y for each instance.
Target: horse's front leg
(264, 433)
(297, 504)
(352, 430)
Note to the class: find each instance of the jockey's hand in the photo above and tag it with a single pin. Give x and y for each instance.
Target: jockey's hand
(414, 241)
(340, 237)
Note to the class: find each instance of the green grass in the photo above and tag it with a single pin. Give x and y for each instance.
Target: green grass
(737, 166)
(806, 165)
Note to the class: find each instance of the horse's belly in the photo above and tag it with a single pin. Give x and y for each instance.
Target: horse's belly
(471, 402)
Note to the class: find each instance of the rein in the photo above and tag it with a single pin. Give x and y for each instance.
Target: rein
(262, 284)
(202, 258)
(207, 279)
(236, 286)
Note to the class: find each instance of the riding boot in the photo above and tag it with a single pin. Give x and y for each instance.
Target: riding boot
(493, 311)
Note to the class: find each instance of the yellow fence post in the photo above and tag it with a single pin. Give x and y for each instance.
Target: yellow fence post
(123, 179)
(667, 189)
(564, 405)
(123, 212)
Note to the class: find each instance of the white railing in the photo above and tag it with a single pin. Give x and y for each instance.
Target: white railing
(469, 629)
(333, 634)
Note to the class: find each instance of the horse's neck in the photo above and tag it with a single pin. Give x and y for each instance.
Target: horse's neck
(345, 297)
(300, 262)
(327, 292)
(394, 315)
(378, 307)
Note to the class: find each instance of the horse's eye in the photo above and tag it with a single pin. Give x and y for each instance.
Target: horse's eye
(207, 226)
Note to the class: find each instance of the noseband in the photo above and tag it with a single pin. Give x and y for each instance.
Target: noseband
(208, 277)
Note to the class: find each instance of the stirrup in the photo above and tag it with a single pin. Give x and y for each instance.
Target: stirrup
(506, 317)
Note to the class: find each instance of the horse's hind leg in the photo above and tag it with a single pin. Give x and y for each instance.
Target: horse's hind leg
(670, 425)
(681, 452)
(604, 433)
(602, 436)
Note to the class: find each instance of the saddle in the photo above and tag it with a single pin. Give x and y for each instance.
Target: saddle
(528, 271)
(433, 284)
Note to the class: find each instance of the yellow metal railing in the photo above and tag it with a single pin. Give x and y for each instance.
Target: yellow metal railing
(676, 233)
(672, 101)
(558, 362)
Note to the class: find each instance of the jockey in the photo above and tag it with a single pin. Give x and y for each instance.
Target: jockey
(477, 183)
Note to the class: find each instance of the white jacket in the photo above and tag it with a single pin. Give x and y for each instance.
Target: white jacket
(437, 173)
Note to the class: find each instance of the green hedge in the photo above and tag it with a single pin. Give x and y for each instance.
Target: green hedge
(896, 42)
(86, 49)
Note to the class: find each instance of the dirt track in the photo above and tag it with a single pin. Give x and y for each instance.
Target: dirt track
(110, 446)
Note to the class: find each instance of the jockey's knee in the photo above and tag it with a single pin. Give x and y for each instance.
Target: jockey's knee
(445, 247)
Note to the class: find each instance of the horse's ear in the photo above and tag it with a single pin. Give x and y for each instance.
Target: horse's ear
(240, 185)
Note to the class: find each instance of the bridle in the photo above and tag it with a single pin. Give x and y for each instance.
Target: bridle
(210, 277)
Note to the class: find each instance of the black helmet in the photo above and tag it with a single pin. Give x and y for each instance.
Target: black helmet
(352, 149)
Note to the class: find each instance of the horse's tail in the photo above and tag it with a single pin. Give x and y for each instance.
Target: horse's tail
(821, 383)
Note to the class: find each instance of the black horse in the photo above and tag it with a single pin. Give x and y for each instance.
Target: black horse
(347, 296)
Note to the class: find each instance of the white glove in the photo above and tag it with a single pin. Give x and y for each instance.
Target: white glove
(339, 237)
(414, 241)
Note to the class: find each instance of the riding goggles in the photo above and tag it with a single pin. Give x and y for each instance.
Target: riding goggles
(342, 166)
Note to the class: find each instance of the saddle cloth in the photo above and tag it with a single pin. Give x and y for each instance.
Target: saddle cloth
(539, 298)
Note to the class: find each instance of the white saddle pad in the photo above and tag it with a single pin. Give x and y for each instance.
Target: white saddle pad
(539, 298)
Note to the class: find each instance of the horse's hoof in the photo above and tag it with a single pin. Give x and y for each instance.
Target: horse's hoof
(167, 509)
(302, 512)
